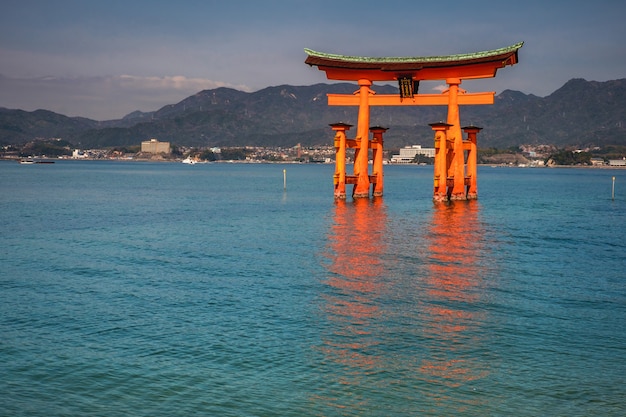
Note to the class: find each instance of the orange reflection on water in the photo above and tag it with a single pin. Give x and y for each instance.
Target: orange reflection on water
(355, 278)
(452, 287)
(403, 321)
(453, 250)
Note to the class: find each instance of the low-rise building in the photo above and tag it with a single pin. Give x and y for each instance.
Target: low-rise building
(78, 154)
(154, 146)
(407, 154)
(617, 162)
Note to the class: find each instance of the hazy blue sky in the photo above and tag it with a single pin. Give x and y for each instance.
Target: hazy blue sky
(103, 60)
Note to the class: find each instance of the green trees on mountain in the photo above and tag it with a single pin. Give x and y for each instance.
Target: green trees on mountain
(564, 157)
(53, 147)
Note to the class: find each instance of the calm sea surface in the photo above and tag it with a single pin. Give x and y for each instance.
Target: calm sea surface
(162, 289)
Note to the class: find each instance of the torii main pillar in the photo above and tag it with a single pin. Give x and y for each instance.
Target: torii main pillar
(361, 156)
(456, 169)
(408, 72)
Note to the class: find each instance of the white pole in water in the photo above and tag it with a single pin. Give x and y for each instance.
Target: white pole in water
(613, 190)
(284, 179)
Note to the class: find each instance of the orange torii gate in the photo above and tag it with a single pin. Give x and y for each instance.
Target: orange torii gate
(453, 180)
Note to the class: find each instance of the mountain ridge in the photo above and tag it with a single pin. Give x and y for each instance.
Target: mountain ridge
(580, 113)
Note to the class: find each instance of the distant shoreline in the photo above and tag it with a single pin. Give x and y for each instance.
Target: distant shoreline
(557, 166)
(175, 161)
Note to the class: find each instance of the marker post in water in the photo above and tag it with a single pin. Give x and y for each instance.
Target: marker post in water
(613, 190)
(284, 179)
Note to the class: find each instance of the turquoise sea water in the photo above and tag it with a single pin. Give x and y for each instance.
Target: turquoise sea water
(161, 289)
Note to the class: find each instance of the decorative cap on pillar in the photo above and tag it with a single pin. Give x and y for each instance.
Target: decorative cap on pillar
(471, 128)
(340, 126)
(439, 125)
(378, 129)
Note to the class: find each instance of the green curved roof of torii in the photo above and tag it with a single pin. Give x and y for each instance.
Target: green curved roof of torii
(400, 63)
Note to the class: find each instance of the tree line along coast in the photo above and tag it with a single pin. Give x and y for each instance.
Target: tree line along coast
(523, 155)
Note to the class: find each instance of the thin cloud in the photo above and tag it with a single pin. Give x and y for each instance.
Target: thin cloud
(176, 82)
(102, 98)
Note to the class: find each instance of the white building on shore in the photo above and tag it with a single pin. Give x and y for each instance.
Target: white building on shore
(154, 146)
(617, 162)
(78, 154)
(407, 154)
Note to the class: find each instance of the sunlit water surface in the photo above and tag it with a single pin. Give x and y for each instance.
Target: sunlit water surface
(161, 289)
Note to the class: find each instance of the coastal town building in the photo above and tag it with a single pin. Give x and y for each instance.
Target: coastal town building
(78, 154)
(408, 153)
(154, 146)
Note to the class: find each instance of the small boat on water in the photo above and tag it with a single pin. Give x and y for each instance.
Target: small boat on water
(188, 160)
(30, 162)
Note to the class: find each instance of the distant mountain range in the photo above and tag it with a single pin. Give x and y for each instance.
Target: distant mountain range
(581, 113)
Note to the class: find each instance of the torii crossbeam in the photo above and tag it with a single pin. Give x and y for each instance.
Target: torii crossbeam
(453, 179)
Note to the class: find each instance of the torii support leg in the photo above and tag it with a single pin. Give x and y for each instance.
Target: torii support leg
(472, 166)
(440, 192)
(339, 178)
(377, 146)
(362, 186)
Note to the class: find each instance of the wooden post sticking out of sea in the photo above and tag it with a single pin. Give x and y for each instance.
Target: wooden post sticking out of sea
(613, 190)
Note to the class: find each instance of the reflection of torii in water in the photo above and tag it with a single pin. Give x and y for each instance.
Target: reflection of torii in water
(408, 72)
(455, 276)
(355, 284)
(356, 274)
(442, 343)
